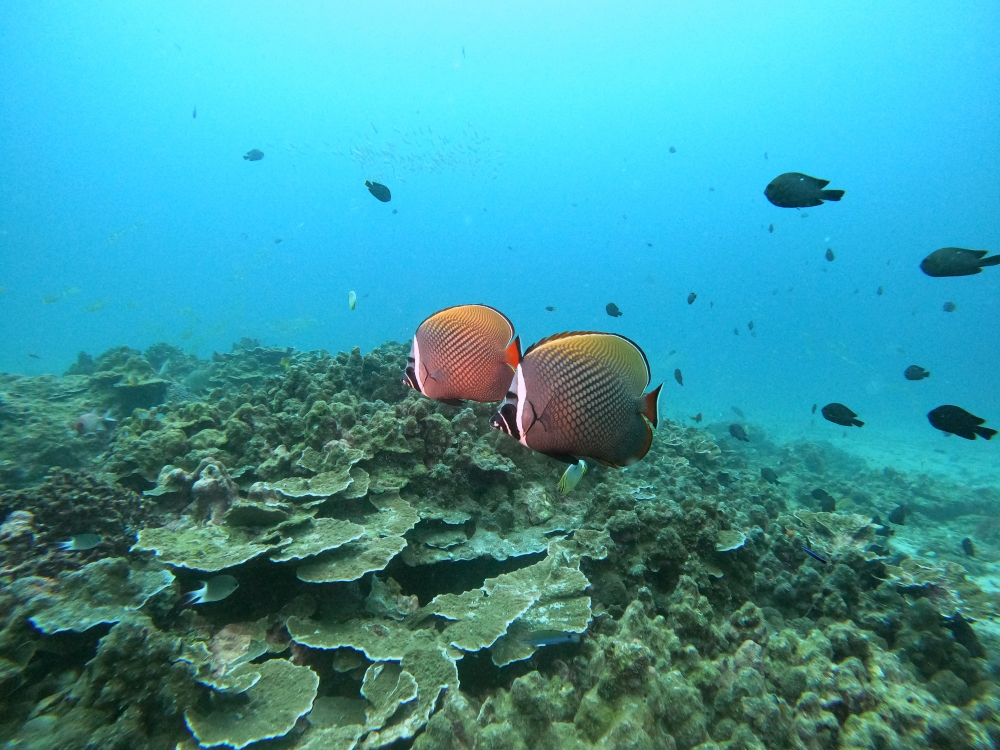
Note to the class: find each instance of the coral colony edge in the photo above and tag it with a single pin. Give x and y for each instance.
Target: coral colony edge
(287, 549)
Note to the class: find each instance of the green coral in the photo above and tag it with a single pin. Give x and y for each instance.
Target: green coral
(267, 709)
(101, 592)
(208, 548)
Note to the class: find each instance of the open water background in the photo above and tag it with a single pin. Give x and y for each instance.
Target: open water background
(532, 170)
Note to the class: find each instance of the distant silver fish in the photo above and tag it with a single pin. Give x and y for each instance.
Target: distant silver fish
(549, 638)
(80, 543)
(213, 590)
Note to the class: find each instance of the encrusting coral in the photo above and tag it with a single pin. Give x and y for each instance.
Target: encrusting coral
(409, 576)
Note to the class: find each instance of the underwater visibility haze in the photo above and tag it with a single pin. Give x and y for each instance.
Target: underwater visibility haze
(333, 339)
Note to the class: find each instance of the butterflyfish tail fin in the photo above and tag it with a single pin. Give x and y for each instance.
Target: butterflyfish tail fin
(649, 410)
(513, 353)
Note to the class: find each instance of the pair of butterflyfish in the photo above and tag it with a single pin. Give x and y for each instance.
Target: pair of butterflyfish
(571, 396)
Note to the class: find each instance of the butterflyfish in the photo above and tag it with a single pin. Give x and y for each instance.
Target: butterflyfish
(572, 476)
(463, 352)
(580, 395)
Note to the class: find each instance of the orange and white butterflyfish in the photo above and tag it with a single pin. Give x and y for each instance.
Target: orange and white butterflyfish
(463, 352)
(580, 395)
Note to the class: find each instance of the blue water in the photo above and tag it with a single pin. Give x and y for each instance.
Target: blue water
(527, 149)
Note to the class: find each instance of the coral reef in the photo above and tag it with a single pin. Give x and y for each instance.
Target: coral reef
(410, 577)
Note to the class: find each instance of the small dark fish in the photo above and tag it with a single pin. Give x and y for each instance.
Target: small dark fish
(738, 412)
(814, 408)
(950, 306)
(737, 431)
(672, 352)
(968, 547)
(840, 414)
(277, 240)
(613, 310)
(394, 211)
(649, 244)
(463, 52)
(711, 190)
(797, 190)
(814, 555)
(879, 292)
(898, 515)
(915, 372)
(696, 417)
(958, 421)
(724, 477)
(770, 228)
(750, 325)
(34, 356)
(957, 261)
(736, 331)
(380, 191)
(678, 377)
(673, 150)
(550, 308)
(827, 504)
(254, 154)
(194, 113)
(765, 154)
(829, 253)
(964, 635)
(769, 475)
(691, 298)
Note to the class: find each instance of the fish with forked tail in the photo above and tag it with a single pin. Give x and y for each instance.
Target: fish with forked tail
(840, 414)
(380, 191)
(957, 261)
(797, 190)
(958, 421)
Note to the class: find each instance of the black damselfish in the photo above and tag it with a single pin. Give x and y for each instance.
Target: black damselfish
(840, 414)
(958, 421)
(379, 190)
(797, 190)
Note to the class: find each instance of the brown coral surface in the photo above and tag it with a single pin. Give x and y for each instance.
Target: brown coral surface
(410, 577)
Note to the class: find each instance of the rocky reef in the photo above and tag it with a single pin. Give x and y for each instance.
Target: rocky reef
(409, 577)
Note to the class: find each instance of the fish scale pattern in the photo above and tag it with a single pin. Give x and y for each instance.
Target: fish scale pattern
(589, 389)
(474, 338)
